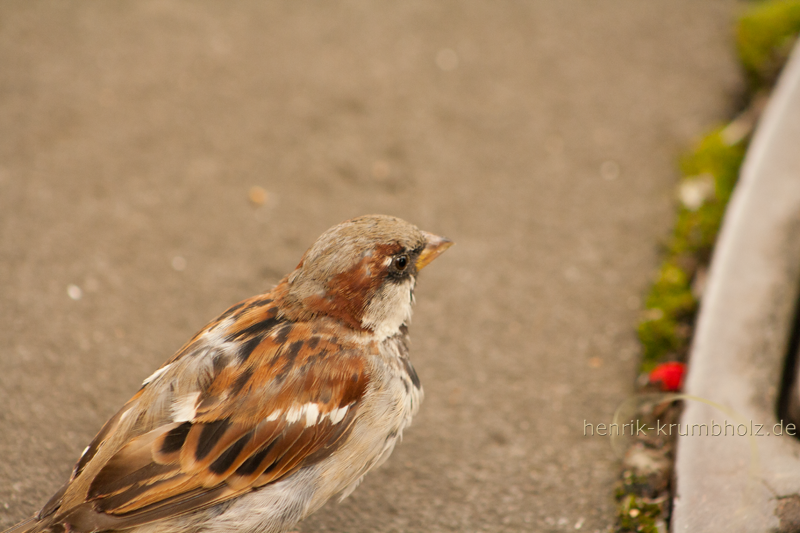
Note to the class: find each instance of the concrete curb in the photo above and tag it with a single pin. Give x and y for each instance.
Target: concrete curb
(731, 483)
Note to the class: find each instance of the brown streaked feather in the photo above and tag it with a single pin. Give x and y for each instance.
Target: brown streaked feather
(101, 436)
(229, 447)
(127, 465)
(167, 450)
(140, 495)
(254, 306)
(87, 518)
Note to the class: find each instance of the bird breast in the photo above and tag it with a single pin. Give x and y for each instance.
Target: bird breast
(389, 405)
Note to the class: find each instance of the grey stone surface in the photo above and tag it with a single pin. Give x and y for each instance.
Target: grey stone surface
(541, 136)
(732, 483)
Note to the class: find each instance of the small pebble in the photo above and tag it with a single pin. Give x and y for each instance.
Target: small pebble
(258, 196)
(179, 263)
(74, 292)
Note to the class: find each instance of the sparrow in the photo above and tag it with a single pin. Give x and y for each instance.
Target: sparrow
(284, 401)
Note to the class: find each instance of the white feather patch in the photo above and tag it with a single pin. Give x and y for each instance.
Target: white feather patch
(337, 415)
(308, 411)
(215, 336)
(155, 374)
(294, 414)
(183, 409)
(312, 412)
(124, 415)
(309, 414)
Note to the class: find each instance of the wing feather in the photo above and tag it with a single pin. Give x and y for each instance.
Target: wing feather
(256, 419)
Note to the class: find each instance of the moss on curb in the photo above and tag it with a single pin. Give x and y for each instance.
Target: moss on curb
(671, 303)
(765, 35)
(764, 38)
(637, 514)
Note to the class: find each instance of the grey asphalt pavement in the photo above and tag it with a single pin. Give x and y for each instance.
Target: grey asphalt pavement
(541, 136)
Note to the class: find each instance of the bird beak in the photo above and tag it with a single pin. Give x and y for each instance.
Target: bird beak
(434, 245)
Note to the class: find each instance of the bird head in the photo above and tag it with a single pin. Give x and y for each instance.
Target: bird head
(363, 272)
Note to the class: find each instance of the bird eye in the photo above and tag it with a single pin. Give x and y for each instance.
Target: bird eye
(401, 262)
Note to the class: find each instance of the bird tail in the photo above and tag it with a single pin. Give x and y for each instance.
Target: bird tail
(26, 526)
(35, 524)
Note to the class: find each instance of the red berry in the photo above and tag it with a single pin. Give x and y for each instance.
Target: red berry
(670, 375)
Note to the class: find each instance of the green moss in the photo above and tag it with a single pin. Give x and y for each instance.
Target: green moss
(636, 514)
(659, 339)
(713, 155)
(764, 37)
(670, 304)
(672, 293)
(696, 230)
(763, 34)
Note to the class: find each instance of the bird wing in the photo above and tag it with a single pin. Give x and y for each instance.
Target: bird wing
(251, 399)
